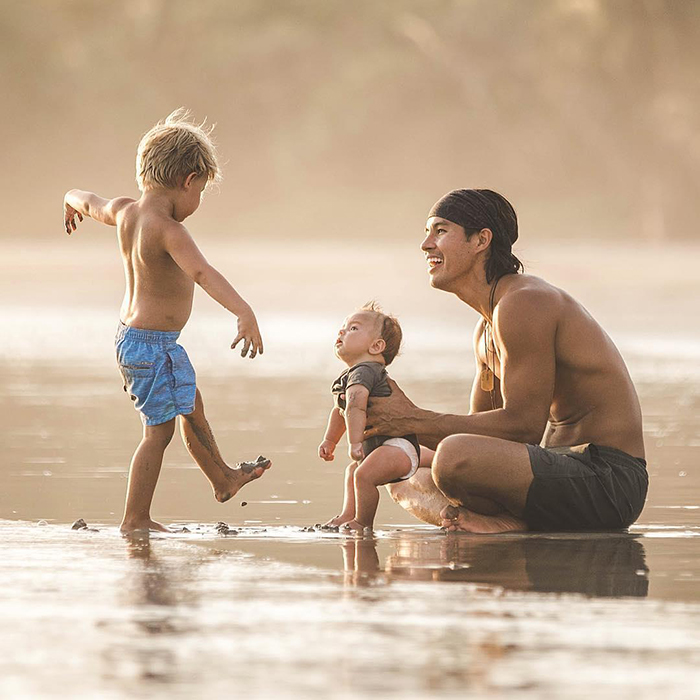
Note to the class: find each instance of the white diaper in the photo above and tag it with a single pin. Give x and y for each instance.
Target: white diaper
(409, 449)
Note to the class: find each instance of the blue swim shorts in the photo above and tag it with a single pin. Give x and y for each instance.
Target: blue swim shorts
(157, 374)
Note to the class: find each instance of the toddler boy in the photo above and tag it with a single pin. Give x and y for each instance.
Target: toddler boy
(175, 161)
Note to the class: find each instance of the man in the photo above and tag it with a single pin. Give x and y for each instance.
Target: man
(542, 362)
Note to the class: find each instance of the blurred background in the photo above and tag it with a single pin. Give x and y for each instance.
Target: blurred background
(339, 119)
(338, 125)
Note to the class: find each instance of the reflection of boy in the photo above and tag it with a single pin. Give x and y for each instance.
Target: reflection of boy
(368, 341)
(175, 162)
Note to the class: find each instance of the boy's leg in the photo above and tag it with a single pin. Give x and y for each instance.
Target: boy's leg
(382, 466)
(143, 477)
(348, 512)
(200, 442)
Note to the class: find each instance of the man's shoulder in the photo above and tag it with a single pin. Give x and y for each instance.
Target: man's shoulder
(528, 291)
(527, 303)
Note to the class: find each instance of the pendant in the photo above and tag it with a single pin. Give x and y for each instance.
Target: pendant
(486, 379)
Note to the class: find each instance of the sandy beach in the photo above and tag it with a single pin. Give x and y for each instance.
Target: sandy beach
(409, 613)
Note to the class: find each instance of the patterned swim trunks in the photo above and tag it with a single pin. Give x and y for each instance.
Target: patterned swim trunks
(157, 374)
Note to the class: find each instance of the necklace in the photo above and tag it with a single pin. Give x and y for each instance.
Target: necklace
(487, 380)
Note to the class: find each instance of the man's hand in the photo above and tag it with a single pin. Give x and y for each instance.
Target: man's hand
(391, 415)
(69, 215)
(249, 333)
(356, 452)
(326, 450)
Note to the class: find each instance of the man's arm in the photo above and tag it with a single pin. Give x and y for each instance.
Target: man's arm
(356, 418)
(184, 251)
(525, 329)
(80, 204)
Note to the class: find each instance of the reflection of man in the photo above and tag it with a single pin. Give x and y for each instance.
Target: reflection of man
(542, 362)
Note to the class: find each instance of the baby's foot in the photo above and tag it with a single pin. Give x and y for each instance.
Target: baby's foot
(129, 526)
(356, 527)
(336, 522)
(240, 475)
(457, 519)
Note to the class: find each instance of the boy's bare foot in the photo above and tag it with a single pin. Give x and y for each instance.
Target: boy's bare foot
(128, 527)
(353, 525)
(240, 475)
(456, 519)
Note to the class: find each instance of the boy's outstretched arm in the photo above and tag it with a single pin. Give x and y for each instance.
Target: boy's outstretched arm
(184, 251)
(77, 203)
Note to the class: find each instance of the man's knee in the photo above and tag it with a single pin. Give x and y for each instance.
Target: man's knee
(454, 459)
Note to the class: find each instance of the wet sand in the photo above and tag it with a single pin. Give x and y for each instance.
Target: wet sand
(274, 611)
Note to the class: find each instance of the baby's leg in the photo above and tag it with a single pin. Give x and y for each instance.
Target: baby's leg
(382, 466)
(348, 512)
(200, 442)
(143, 477)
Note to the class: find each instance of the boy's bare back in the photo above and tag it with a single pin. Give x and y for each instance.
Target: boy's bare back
(158, 293)
(175, 162)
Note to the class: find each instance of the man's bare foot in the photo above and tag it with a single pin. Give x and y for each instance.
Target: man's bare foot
(355, 526)
(455, 519)
(240, 475)
(131, 526)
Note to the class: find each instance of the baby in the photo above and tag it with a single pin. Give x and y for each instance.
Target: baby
(368, 341)
(175, 161)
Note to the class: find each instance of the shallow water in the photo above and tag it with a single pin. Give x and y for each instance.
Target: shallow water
(275, 611)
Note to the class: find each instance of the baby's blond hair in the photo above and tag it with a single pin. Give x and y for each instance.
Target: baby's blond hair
(173, 149)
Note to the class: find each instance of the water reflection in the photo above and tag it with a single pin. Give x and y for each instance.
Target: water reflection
(594, 565)
(142, 650)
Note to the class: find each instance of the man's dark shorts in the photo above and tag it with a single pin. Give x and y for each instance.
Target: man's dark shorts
(586, 487)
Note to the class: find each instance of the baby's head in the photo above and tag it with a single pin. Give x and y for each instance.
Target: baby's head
(174, 149)
(369, 335)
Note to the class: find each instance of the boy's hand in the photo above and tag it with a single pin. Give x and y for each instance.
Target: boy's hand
(249, 333)
(326, 450)
(69, 215)
(356, 452)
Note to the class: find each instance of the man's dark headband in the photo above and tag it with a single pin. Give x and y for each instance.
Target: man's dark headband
(477, 209)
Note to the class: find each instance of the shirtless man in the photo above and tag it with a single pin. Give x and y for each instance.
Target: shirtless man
(175, 161)
(544, 367)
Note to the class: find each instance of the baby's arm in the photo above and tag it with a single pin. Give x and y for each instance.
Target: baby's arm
(355, 418)
(80, 204)
(187, 256)
(334, 431)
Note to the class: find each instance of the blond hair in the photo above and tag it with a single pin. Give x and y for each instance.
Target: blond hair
(173, 149)
(390, 330)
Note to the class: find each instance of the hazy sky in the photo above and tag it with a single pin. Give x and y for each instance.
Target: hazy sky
(338, 120)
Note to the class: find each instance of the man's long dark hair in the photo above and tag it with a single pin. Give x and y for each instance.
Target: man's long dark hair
(478, 209)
